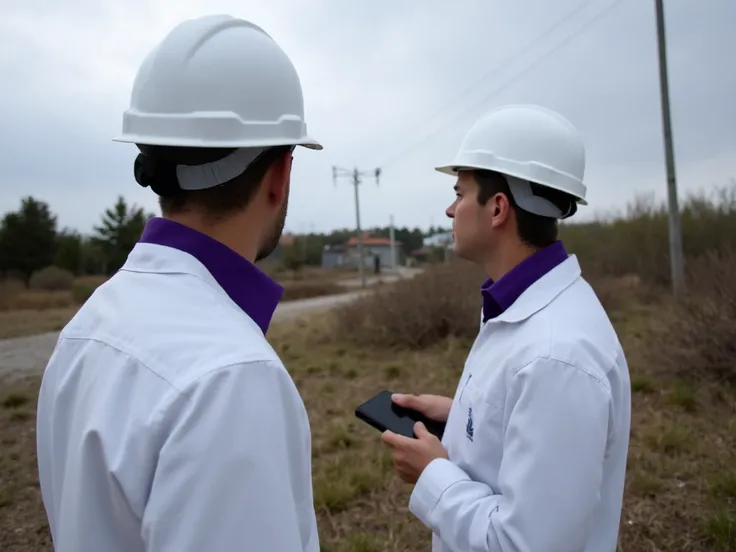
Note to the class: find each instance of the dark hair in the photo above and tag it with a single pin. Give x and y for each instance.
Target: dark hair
(156, 167)
(534, 230)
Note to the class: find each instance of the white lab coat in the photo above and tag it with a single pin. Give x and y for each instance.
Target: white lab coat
(538, 431)
(166, 423)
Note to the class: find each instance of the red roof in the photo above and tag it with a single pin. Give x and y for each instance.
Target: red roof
(368, 240)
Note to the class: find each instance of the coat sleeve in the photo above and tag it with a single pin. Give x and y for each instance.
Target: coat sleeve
(550, 475)
(234, 468)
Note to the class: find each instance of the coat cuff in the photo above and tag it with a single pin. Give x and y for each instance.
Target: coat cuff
(439, 475)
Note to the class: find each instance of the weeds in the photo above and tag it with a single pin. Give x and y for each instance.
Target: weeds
(15, 399)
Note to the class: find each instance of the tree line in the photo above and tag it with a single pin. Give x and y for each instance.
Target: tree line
(30, 240)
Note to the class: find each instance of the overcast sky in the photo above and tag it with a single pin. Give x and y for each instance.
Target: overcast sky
(387, 83)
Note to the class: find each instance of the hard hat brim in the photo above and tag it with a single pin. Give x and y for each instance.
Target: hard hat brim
(306, 142)
(453, 170)
(312, 144)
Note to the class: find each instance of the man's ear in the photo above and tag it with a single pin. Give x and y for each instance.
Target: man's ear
(500, 209)
(276, 179)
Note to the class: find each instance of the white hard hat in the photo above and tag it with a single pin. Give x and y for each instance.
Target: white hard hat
(217, 82)
(528, 144)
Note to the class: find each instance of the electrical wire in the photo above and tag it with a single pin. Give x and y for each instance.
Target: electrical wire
(402, 153)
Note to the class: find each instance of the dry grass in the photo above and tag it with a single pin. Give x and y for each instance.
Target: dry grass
(23, 526)
(681, 489)
(15, 297)
(280, 273)
(306, 289)
(20, 323)
(34, 311)
(681, 483)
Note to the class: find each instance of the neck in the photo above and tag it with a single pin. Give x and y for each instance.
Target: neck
(232, 232)
(506, 258)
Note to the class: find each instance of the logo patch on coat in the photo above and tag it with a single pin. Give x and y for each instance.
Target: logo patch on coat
(469, 425)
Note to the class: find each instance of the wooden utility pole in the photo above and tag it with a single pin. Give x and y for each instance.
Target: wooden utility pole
(392, 243)
(355, 176)
(677, 262)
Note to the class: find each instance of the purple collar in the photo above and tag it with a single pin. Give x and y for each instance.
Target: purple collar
(500, 295)
(253, 291)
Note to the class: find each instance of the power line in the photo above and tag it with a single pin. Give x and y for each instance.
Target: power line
(506, 83)
(511, 58)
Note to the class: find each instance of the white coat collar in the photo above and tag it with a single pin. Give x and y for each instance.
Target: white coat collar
(542, 292)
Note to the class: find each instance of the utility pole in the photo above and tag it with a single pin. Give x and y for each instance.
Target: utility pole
(304, 242)
(356, 175)
(677, 262)
(393, 246)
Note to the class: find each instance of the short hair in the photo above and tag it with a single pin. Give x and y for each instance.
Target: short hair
(534, 230)
(216, 203)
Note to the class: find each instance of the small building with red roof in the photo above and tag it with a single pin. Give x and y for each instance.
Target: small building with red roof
(376, 252)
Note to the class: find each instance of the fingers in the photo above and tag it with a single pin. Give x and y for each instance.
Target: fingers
(421, 431)
(407, 401)
(392, 439)
(423, 434)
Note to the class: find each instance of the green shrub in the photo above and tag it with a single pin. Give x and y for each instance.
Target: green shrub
(52, 278)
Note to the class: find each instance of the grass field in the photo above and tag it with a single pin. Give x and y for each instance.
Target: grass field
(681, 490)
(413, 336)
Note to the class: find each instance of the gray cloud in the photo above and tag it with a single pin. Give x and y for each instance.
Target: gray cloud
(381, 84)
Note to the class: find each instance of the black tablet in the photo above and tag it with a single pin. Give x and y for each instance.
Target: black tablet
(380, 412)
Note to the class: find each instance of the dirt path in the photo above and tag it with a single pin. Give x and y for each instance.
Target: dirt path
(387, 277)
(28, 355)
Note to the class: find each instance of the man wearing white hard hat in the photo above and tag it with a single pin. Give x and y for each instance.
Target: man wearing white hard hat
(533, 457)
(166, 422)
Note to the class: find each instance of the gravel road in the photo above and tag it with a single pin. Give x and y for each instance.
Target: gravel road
(28, 355)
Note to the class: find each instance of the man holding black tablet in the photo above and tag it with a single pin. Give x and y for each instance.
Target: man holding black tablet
(533, 456)
(166, 422)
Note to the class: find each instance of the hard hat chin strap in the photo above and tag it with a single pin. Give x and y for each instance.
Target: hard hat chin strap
(209, 175)
(537, 205)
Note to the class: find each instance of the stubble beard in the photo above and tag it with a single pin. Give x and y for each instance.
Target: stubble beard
(274, 236)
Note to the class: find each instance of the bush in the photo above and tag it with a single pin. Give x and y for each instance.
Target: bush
(698, 342)
(9, 290)
(441, 302)
(617, 293)
(638, 242)
(52, 278)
